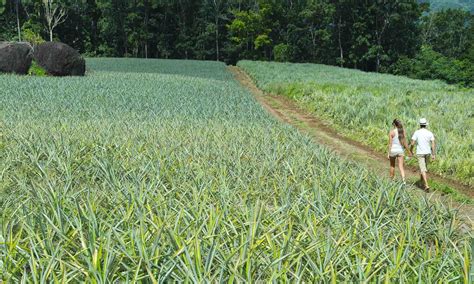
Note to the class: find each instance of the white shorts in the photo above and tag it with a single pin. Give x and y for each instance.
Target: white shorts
(395, 154)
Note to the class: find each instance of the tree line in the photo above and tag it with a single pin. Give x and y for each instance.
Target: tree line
(395, 36)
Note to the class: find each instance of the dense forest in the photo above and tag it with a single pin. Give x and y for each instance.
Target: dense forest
(395, 36)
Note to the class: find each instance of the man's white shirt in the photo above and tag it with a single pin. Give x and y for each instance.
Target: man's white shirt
(423, 138)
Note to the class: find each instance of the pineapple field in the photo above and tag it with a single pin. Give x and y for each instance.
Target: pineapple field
(165, 170)
(363, 105)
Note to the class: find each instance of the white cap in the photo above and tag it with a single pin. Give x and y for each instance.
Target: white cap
(423, 121)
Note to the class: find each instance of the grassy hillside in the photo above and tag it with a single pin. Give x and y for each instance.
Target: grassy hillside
(467, 5)
(176, 174)
(363, 105)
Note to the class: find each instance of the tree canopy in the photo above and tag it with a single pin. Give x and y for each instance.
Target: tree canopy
(369, 35)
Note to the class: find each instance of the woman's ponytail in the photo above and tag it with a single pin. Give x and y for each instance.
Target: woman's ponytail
(401, 131)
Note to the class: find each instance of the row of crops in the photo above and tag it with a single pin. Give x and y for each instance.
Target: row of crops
(363, 105)
(162, 175)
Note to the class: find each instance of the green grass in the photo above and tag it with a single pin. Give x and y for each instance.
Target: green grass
(363, 105)
(123, 176)
(36, 70)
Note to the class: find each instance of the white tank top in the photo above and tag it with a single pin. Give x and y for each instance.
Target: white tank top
(396, 145)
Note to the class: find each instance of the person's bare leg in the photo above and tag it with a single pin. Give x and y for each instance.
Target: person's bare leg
(401, 167)
(392, 167)
(424, 177)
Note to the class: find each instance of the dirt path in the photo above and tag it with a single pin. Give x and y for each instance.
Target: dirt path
(287, 111)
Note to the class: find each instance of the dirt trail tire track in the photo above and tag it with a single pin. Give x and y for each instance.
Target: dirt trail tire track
(288, 112)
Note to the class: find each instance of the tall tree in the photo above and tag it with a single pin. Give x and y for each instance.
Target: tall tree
(218, 11)
(55, 14)
(316, 23)
(448, 32)
(370, 35)
(17, 11)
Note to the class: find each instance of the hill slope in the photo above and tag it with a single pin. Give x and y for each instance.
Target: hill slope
(455, 4)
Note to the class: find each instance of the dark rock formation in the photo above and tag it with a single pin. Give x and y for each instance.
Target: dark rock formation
(15, 57)
(59, 59)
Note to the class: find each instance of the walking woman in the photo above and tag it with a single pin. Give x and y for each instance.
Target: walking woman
(396, 144)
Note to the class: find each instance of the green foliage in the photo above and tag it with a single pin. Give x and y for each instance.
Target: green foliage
(446, 54)
(437, 5)
(370, 36)
(429, 64)
(36, 70)
(250, 30)
(449, 32)
(362, 105)
(6, 33)
(143, 172)
(262, 41)
(30, 36)
(3, 4)
(282, 52)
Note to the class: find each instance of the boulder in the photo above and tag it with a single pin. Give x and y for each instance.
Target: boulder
(15, 57)
(59, 59)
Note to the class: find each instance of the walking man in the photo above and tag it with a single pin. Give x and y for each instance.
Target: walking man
(425, 149)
